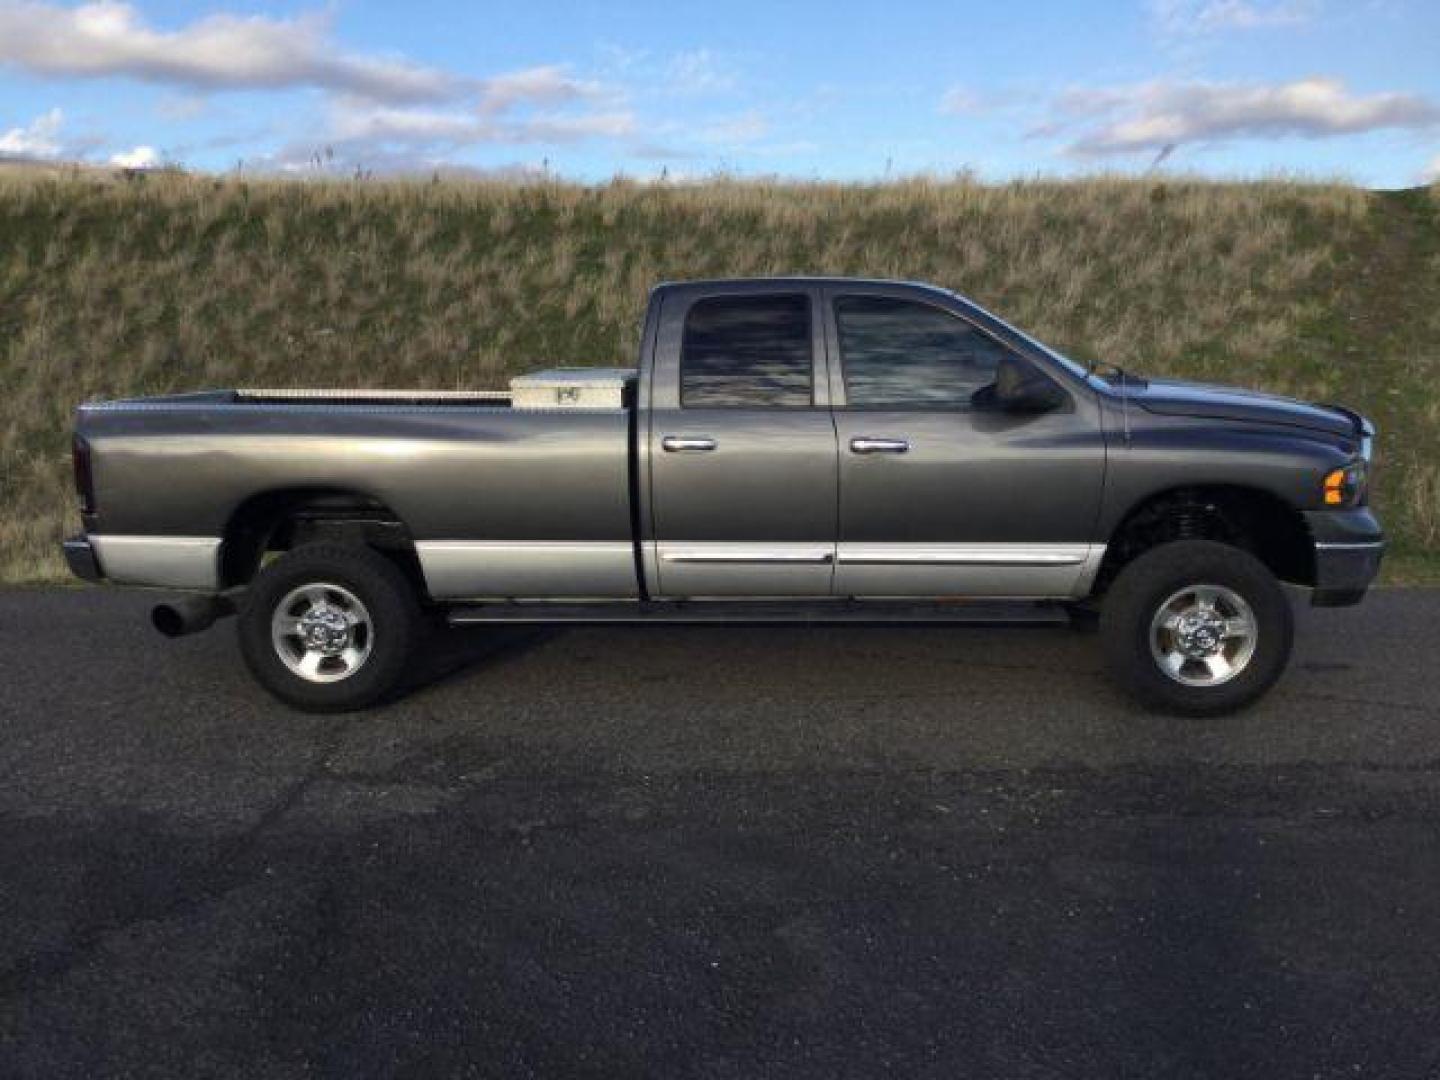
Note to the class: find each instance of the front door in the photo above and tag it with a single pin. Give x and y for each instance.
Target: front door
(742, 447)
(940, 497)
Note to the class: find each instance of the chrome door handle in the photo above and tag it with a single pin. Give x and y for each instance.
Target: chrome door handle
(687, 443)
(868, 444)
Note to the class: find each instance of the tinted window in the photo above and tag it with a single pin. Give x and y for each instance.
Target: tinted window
(903, 354)
(747, 351)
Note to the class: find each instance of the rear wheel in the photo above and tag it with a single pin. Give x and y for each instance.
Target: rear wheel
(329, 627)
(1197, 628)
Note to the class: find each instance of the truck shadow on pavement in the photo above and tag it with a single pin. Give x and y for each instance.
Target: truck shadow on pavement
(450, 652)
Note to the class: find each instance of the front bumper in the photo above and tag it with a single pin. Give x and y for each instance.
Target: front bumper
(80, 557)
(1349, 545)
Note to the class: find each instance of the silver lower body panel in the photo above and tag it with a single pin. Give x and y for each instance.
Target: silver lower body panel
(605, 570)
(167, 562)
(485, 569)
(1054, 571)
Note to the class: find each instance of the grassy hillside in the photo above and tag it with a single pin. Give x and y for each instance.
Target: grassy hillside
(165, 283)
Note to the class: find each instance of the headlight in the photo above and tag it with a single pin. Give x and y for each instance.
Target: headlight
(1346, 487)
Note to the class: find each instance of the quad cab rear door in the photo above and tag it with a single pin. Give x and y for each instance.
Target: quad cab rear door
(740, 441)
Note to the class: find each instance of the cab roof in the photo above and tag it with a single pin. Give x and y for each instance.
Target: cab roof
(802, 280)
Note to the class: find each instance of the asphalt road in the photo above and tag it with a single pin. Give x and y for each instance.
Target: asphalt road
(700, 852)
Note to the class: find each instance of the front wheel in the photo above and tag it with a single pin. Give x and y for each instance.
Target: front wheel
(1197, 628)
(329, 627)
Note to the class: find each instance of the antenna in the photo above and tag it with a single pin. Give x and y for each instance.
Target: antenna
(1122, 380)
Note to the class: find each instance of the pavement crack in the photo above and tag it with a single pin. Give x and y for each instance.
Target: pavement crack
(1345, 699)
(210, 882)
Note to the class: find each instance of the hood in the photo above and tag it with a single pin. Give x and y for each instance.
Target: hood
(1177, 398)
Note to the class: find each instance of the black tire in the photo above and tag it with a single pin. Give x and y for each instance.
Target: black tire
(388, 609)
(1145, 586)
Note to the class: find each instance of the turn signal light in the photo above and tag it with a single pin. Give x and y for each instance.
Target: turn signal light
(1335, 488)
(1346, 486)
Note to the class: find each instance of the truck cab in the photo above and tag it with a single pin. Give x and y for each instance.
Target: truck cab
(842, 439)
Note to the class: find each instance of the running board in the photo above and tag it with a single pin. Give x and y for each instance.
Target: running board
(754, 613)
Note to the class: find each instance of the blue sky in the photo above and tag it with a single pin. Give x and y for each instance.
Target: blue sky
(753, 87)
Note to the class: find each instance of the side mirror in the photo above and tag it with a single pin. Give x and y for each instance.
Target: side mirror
(1020, 388)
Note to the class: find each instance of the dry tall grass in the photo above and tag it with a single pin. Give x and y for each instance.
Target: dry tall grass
(172, 282)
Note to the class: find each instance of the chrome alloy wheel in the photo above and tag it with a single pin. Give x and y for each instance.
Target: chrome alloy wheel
(1204, 635)
(322, 632)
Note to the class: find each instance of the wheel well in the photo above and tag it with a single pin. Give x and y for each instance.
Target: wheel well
(1261, 523)
(280, 520)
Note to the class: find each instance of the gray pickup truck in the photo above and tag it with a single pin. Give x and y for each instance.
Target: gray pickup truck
(808, 450)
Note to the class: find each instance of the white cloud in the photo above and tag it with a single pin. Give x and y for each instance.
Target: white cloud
(141, 157)
(1431, 173)
(110, 38)
(1152, 116)
(610, 125)
(547, 85)
(377, 104)
(697, 72)
(372, 105)
(354, 122)
(960, 101)
(737, 130)
(40, 138)
(359, 134)
(544, 106)
(1186, 18)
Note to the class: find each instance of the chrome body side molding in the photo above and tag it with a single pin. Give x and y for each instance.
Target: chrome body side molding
(1042, 571)
(1088, 571)
(755, 554)
(169, 562)
(963, 554)
(728, 569)
(528, 569)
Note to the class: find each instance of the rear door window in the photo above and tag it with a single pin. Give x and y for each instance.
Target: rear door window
(747, 352)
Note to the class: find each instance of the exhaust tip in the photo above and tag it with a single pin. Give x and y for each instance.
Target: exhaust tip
(176, 618)
(168, 620)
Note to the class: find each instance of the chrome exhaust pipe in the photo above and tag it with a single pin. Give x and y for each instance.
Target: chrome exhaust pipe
(177, 618)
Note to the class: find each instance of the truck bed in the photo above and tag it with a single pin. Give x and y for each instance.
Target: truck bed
(476, 481)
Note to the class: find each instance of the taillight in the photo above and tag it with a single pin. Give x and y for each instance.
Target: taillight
(84, 478)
